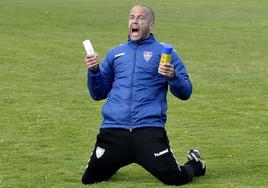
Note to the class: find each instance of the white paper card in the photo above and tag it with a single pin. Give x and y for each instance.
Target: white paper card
(88, 47)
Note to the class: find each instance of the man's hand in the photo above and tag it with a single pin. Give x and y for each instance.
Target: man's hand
(92, 61)
(166, 69)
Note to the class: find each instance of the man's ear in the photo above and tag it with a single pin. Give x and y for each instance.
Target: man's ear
(151, 25)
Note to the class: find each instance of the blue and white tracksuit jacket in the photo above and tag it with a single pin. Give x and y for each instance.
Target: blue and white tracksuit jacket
(136, 92)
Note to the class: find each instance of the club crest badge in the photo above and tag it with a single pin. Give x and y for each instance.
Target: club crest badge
(147, 55)
(99, 152)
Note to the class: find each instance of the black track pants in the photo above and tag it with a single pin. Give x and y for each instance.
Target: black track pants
(148, 147)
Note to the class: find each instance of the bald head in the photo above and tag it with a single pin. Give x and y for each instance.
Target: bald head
(140, 23)
(149, 11)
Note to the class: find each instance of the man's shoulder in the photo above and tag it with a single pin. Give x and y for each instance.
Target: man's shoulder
(118, 47)
(116, 51)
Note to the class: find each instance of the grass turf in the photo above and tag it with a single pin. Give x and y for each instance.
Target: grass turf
(49, 124)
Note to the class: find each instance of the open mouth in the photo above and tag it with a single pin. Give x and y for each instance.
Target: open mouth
(134, 30)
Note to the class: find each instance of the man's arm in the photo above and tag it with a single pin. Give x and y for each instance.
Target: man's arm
(180, 84)
(100, 77)
(178, 78)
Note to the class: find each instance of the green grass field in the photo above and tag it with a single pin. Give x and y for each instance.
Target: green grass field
(49, 123)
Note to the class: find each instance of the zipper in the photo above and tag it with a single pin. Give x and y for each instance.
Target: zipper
(131, 86)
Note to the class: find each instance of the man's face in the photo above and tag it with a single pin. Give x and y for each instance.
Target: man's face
(139, 23)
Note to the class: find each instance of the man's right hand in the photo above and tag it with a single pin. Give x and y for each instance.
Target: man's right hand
(92, 61)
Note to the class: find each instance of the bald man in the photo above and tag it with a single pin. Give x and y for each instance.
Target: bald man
(135, 85)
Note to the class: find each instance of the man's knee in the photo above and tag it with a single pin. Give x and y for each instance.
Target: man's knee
(86, 179)
(174, 181)
(175, 177)
(90, 177)
(90, 180)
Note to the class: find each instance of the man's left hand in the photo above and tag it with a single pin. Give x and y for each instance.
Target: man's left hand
(166, 69)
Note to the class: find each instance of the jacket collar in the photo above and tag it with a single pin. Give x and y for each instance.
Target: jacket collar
(148, 40)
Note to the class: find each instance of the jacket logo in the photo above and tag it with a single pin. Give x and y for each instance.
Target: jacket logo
(120, 54)
(147, 55)
(99, 152)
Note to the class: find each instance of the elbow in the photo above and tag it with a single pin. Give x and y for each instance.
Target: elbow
(97, 97)
(185, 97)
(185, 93)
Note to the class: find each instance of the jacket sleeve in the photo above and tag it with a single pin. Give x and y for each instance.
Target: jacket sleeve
(100, 82)
(180, 84)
